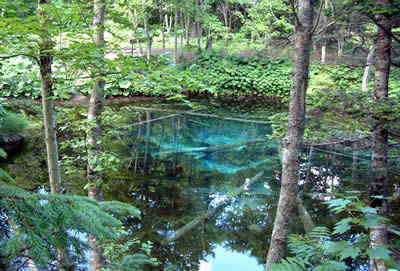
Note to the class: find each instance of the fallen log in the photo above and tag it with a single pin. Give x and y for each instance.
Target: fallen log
(201, 218)
(213, 148)
(153, 120)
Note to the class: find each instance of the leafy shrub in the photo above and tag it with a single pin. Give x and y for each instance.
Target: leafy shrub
(19, 78)
(241, 75)
(347, 246)
(11, 125)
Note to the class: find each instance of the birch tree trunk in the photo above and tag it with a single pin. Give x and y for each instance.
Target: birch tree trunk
(94, 134)
(291, 145)
(148, 37)
(367, 70)
(379, 185)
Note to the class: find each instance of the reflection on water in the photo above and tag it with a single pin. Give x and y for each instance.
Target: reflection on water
(191, 177)
(226, 260)
(195, 170)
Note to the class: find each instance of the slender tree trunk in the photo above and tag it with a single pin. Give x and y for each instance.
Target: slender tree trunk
(163, 27)
(47, 91)
(176, 37)
(324, 42)
(148, 37)
(168, 23)
(323, 53)
(199, 30)
(379, 185)
(291, 145)
(188, 29)
(94, 134)
(367, 70)
(209, 44)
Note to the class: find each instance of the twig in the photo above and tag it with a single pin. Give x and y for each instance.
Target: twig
(318, 18)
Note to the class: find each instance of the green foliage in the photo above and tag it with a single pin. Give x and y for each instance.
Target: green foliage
(120, 257)
(335, 77)
(11, 125)
(35, 220)
(241, 75)
(322, 249)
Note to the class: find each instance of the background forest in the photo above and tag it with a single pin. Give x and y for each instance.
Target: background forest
(131, 130)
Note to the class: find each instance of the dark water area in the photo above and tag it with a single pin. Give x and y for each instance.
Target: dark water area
(199, 170)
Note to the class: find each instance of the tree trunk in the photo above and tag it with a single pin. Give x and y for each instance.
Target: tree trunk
(323, 53)
(379, 184)
(209, 44)
(163, 27)
(148, 38)
(176, 37)
(94, 134)
(324, 41)
(50, 126)
(367, 70)
(47, 92)
(188, 29)
(291, 145)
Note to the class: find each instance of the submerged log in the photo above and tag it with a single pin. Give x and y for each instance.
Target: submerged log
(211, 212)
(153, 120)
(213, 148)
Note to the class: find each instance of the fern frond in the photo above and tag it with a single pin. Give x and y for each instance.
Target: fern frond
(290, 264)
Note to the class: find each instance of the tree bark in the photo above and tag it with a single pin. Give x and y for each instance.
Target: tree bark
(94, 134)
(367, 70)
(291, 145)
(379, 184)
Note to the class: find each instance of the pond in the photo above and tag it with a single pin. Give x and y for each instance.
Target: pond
(207, 184)
(197, 169)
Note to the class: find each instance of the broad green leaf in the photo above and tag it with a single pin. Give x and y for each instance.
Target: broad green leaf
(343, 225)
(336, 247)
(5, 177)
(338, 205)
(368, 210)
(3, 154)
(395, 231)
(349, 252)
